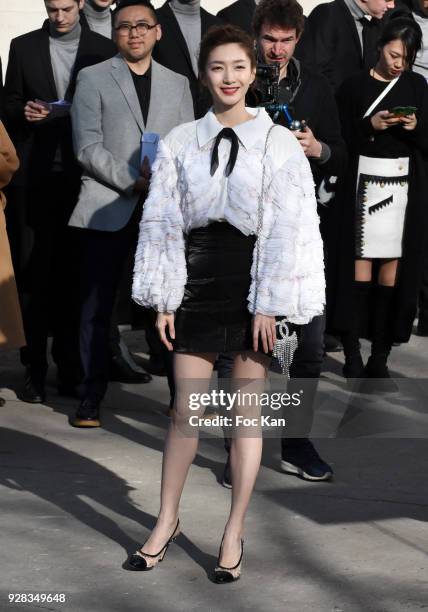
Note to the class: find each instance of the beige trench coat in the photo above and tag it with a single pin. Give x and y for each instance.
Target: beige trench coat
(11, 330)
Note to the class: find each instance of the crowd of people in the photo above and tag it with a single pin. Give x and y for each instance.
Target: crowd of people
(312, 209)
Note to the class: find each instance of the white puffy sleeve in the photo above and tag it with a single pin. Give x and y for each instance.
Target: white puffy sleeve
(291, 279)
(160, 265)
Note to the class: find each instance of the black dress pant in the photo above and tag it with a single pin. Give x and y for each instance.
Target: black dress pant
(304, 376)
(104, 256)
(45, 256)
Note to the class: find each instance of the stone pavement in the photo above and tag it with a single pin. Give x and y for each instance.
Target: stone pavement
(74, 503)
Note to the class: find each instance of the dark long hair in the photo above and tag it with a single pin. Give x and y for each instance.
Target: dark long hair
(408, 31)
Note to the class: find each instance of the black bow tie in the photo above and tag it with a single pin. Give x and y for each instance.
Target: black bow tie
(229, 134)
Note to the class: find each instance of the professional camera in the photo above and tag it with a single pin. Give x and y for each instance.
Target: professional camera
(267, 76)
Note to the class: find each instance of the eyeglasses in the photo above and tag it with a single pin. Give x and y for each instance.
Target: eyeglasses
(125, 29)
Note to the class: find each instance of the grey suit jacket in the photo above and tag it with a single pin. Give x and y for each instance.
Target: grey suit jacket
(107, 128)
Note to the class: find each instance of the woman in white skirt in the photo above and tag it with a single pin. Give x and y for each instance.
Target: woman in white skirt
(382, 204)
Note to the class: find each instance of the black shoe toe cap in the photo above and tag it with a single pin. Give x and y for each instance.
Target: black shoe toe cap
(138, 563)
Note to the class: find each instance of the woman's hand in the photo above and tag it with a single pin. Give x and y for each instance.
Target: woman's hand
(164, 322)
(409, 122)
(383, 120)
(265, 326)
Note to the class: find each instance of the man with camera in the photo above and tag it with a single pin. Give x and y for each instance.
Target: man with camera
(306, 100)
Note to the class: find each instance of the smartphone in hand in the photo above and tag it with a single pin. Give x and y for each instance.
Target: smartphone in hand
(58, 108)
(403, 111)
(149, 147)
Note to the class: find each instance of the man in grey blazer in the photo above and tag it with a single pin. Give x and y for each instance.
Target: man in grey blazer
(113, 107)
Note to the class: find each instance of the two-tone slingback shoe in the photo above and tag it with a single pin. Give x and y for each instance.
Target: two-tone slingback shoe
(228, 574)
(144, 562)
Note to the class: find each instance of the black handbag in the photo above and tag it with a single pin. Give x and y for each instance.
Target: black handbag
(286, 342)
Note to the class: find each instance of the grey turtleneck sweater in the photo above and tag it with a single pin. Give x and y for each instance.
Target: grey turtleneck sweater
(99, 19)
(188, 16)
(63, 51)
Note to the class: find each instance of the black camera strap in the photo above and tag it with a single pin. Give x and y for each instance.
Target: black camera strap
(290, 85)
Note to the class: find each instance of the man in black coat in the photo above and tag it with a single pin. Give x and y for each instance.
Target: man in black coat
(43, 67)
(278, 25)
(341, 37)
(240, 13)
(183, 24)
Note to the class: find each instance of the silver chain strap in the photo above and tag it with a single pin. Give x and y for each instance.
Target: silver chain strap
(286, 345)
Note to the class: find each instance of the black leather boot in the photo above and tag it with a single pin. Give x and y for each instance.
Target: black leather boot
(376, 369)
(354, 367)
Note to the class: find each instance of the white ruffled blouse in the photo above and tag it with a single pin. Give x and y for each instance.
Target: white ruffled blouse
(183, 195)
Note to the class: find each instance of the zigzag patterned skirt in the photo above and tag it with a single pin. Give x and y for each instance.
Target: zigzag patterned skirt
(381, 202)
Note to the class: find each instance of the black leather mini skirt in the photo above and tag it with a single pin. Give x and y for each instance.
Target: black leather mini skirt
(214, 316)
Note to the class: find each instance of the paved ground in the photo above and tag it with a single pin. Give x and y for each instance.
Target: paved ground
(74, 503)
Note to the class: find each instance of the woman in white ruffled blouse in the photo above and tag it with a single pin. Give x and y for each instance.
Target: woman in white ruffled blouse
(196, 265)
